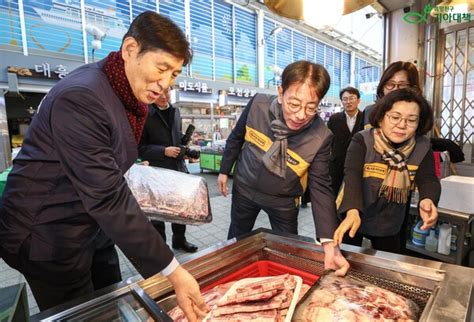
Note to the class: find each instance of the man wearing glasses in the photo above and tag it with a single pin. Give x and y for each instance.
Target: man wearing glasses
(280, 145)
(344, 125)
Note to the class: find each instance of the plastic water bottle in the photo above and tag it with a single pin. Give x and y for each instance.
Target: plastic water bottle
(444, 242)
(454, 238)
(418, 235)
(431, 243)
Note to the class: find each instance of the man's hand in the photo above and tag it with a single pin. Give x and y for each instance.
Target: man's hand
(222, 184)
(172, 151)
(188, 295)
(333, 259)
(428, 213)
(145, 163)
(352, 222)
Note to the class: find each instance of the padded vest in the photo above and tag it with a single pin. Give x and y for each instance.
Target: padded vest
(380, 217)
(302, 148)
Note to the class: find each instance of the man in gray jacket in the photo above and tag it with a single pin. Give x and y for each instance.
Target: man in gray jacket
(281, 145)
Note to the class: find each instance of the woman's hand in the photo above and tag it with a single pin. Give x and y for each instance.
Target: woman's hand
(222, 184)
(351, 222)
(428, 213)
(188, 295)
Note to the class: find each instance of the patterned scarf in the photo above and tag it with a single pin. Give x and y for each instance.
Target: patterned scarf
(396, 185)
(275, 158)
(137, 112)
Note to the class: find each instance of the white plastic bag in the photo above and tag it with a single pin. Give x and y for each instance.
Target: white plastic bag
(169, 195)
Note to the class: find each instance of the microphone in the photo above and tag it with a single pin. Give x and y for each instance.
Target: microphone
(188, 134)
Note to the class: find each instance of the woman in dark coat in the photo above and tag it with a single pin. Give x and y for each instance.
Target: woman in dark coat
(383, 165)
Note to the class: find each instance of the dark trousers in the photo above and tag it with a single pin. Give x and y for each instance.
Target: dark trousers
(178, 230)
(306, 198)
(388, 243)
(56, 282)
(283, 217)
(336, 171)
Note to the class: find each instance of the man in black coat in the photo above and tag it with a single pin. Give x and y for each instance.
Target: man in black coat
(66, 202)
(159, 146)
(344, 125)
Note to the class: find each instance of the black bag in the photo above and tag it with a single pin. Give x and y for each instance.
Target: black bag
(455, 152)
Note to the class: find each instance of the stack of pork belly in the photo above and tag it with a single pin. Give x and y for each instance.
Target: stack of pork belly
(262, 301)
(250, 300)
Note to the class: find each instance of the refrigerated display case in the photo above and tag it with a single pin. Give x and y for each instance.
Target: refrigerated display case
(442, 291)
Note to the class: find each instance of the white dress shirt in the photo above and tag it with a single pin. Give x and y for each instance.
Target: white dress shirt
(351, 120)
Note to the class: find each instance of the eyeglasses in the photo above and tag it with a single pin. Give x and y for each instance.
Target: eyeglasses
(349, 99)
(392, 85)
(395, 119)
(295, 108)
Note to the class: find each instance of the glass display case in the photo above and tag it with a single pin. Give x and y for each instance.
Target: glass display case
(127, 304)
(14, 303)
(123, 308)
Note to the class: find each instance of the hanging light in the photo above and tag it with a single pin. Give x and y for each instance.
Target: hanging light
(351, 6)
(316, 13)
(31, 110)
(98, 35)
(274, 32)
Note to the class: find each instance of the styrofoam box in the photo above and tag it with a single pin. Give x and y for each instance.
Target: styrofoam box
(457, 193)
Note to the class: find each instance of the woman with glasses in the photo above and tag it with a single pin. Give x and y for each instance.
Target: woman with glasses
(383, 165)
(280, 145)
(398, 75)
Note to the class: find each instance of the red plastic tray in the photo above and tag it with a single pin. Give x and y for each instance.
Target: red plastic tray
(262, 269)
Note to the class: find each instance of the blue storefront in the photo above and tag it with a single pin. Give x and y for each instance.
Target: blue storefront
(238, 49)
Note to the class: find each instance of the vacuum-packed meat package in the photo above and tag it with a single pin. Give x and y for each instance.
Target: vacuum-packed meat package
(169, 195)
(335, 298)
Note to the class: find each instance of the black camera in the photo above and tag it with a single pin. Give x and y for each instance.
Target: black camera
(190, 153)
(185, 150)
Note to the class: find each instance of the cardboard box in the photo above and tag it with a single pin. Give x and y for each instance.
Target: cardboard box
(457, 193)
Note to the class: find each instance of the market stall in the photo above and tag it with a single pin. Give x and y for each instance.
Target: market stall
(442, 291)
(210, 160)
(211, 156)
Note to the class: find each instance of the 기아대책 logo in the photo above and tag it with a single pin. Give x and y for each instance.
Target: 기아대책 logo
(441, 13)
